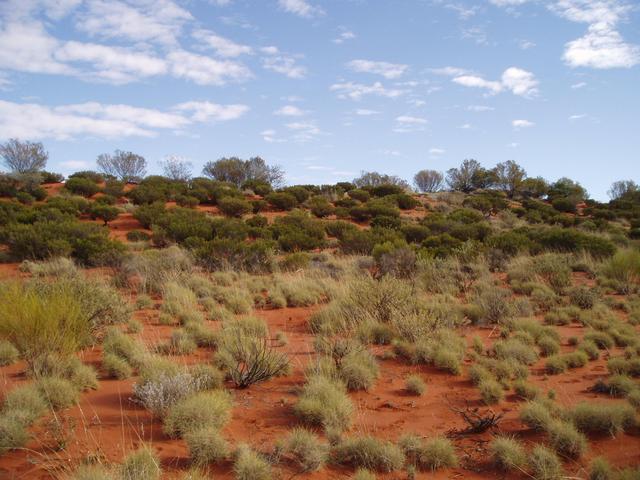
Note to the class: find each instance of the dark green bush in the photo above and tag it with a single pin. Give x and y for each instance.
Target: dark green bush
(282, 200)
(81, 186)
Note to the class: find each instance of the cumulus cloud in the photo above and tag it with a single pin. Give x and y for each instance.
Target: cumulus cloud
(93, 119)
(290, 111)
(437, 151)
(343, 36)
(516, 80)
(408, 123)
(205, 70)
(518, 124)
(450, 71)
(355, 91)
(365, 112)
(602, 47)
(301, 8)
(284, 64)
(386, 69)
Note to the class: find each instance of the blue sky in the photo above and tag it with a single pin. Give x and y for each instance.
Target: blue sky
(329, 88)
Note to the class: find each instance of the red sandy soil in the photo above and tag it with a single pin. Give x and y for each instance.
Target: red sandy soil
(107, 424)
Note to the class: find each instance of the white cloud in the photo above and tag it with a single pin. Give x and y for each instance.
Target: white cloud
(480, 108)
(513, 145)
(269, 136)
(222, 46)
(301, 8)
(283, 64)
(465, 126)
(518, 81)
(304, 131)
(575, 86)
(113, 64)
(74, 165)
(386, 69)
(144, 20)
(355, 91)
(365, 112)
(408, 123)
(290, 111)
(526, 44)
(208, 111)
(343, 36)
(580, 116)
(450, 71)
(407, 119)
(143, 117)
(205, 70)
(508, 3)
(437, 151)
(602, 47)
(518, 124)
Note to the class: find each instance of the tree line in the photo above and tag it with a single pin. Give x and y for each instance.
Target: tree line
(24, 157)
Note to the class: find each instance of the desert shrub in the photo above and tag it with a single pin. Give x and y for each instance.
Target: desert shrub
(495, 304)
(555, 364)
(305, 449)
(120, 345)
(583, 297)
(320, 206)
(368, 452)
(565, 439)
(158, 393)
(154, 268)
(204, 408)
(234, 207)
(544, 464)
(142, 464)
(359, 370)
(250, 465)
(600, 469)
(8, 353)
(508, 453)
(491, 391)
(116, 367)
(537, 414)
(180, 343)
(626, 366)
(431, 455)
(616, 386)
(324, 402)
(81, 186)
(138, 236)
(447, 360)
(624, 269)
(415, 385)
(25, 403)
(634, 399)
(13, 433)
(515, 349)
(548, 346)
(144, 301)
(134, 326)
(206, 445)
(91, 472)
(599, 418)
(526, 390)
(282, 200)
(202, 335)
(575, 359)
(57, 392)
(363, 474)
(59, 267)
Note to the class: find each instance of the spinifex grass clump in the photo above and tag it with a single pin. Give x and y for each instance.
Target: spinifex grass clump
(324, 402)
(430, 454)
(370, 453)
(305, 449)
(508, 453)
(205, 408)
(250, 465)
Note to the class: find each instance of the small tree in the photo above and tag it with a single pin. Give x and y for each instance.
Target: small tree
(428, 180)
(176, 168)
(375, 179)
(23, 157)
(466, 177)
(237, 171)
(106, 213)
(126, 166)
(622, 188)
(509, 176)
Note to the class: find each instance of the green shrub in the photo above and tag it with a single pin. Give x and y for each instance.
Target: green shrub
(600, 469)
(537, 414)
(415, 385)
(204, 408)
(544, 464)
(81, 186)
(583, 297)
(324, 402)
(590, 348)
(431, 455)
(599, 418)
(548, 346)
(616, 386)
(144, 301)
(555, 364)
(282, 200)
(206, 445)
(526, 390)
(370, 453)
(25, 403)
(602, 339)
(306, 450)
(576, 359)
(8, 353)
(142, 464)
(249, 465)
(116, 367)
(624, 269)
(634, 399)
(447, 360)
(13, 433)
(359, 370)
(234, 207)
(508, 453)
(491, 391)
(565, 439)
(57, 392)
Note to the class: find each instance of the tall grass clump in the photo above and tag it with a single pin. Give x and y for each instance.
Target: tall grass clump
(13, 433)
(566, 439)
(602, 418)
(370, 453)
(153, 268)
(415, 385)
(324, 402)
(508, 453)
(431, 454)
(57, 392)
(544, 464)
(250, 465)
(25, 403)
(8, 353)
(159, 392)
(206, 445)
(624, 270)
(204, 408)
(305, 449)
(143, 464)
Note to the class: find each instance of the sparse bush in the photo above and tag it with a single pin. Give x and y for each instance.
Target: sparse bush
(204, 408)
(491, 391)
(508, 453)
(159, 392)
(583, 297)
(369, 452)
(415, 385)
(599, 418)
(306, 450)
(324, 402)
(206, 445)
(544, 464)
(57, 392)
(250, 465)
(142, 464)
(8, 353)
